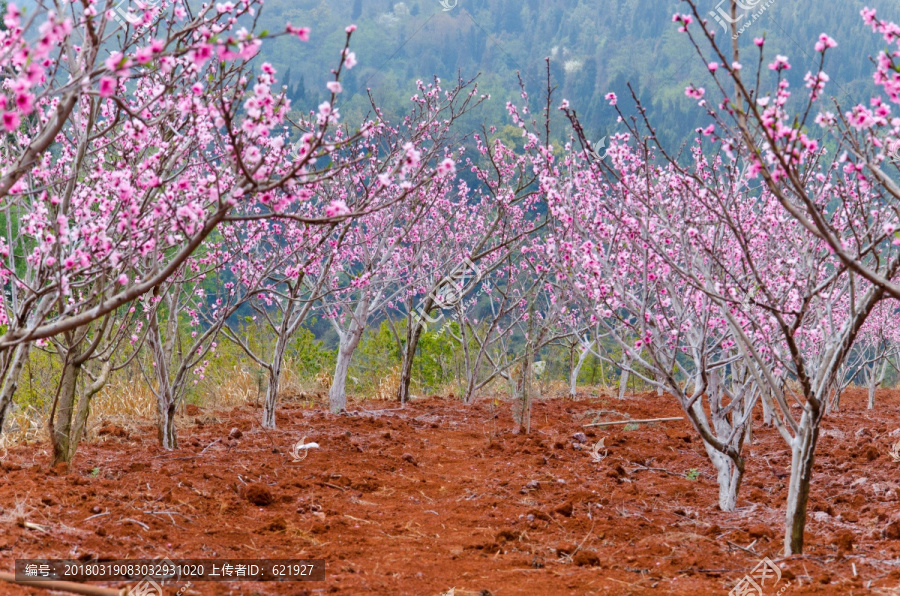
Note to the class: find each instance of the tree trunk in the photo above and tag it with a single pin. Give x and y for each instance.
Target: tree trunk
(165, 393)
(873, 384)
(166, 424)
(60, 437)
(728, 473)
(623, 380)
(337, 397)
(802, 456)
(876, 379)
(84, 409)
(413, 333)
(576, 370)
(836, 403)
(268, 420)
(729, 477)
(522, 401)
(767, 412)
(14, 367)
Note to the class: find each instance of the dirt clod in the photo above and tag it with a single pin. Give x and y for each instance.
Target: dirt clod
(760, 531)
(565, 509)
(844, 541)
(259, 495)
(112, 430)
(276, 525)
(584, 558)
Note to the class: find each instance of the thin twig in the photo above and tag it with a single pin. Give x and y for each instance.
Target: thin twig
(644, 421)
(746, 550)
(60, 586)
(141, 524)
(340, 488)
(208, 446)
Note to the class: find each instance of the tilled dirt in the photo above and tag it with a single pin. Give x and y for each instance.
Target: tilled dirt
(439, 495)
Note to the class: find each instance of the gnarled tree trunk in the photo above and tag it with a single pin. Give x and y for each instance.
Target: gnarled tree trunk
(523, 394)
(803, 450)
(413, 332)
(337, 396)
(61, 437)
(576, 370)
(13, 364)
(274, 372)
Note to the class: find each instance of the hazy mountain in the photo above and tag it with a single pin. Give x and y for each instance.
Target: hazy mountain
(595, 47)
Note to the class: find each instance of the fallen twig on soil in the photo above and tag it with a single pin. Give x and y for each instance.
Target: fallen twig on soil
(329, 485)
(571, 556)
(141, 524)
(170, 514)
(644, 421)
(208, 446)
(642, 468)
(745, 549)
(60, 586)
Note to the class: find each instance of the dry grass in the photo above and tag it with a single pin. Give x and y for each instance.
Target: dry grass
(24, 425)
(16, 514)
(236, 388)
(389, 385)
(324, 379)
(122, 397)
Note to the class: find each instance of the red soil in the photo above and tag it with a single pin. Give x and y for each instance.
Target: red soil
(439, 495)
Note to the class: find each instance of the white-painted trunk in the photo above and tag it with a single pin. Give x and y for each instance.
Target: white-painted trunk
(623, 383)
(728, 475)
(767, 412)
(873, 385)
(802, 457)
(337, 397)
(576, 370)
(876, 378)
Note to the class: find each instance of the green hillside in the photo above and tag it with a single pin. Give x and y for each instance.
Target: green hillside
(594, 48)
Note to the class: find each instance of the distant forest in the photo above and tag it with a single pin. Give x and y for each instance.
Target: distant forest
(594, 48)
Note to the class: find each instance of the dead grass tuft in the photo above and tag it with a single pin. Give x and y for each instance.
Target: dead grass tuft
(388, 385)
(24, 425)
